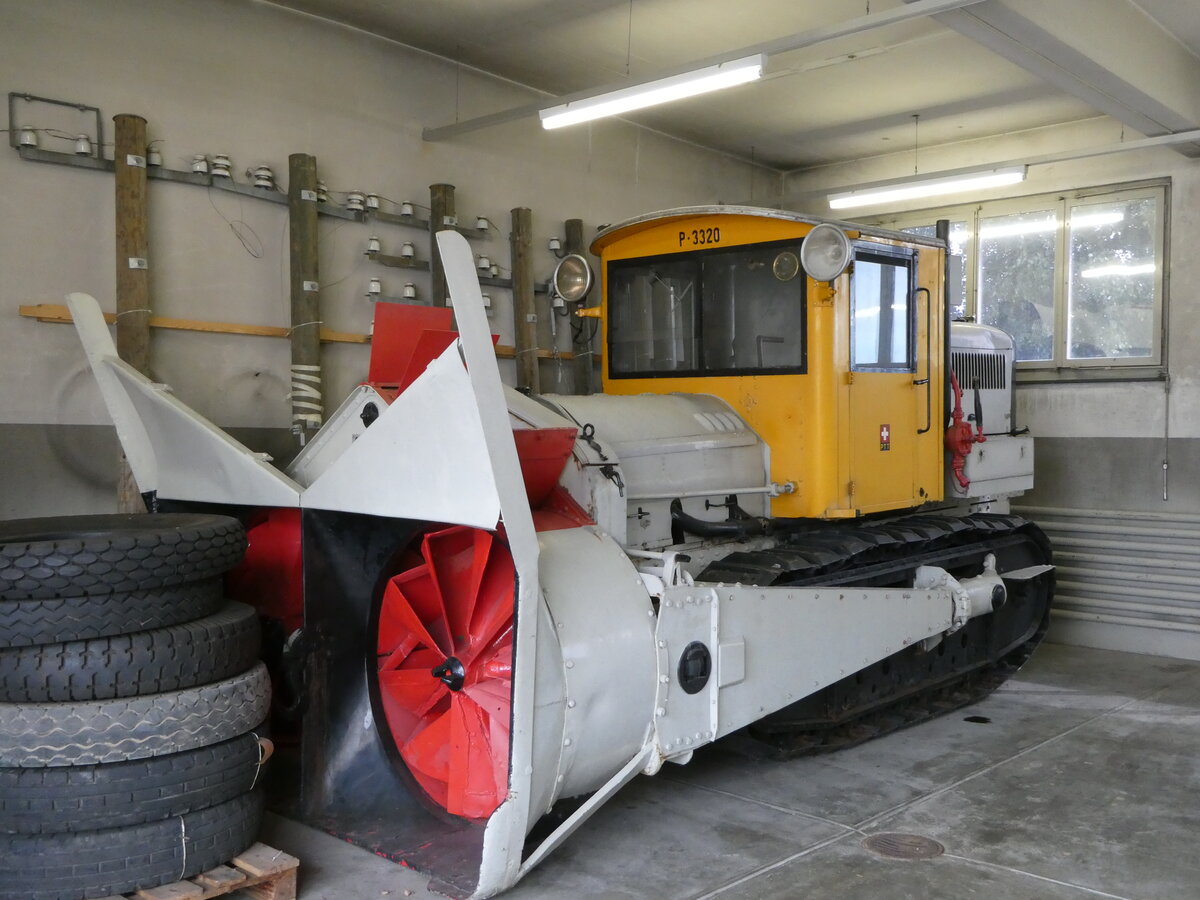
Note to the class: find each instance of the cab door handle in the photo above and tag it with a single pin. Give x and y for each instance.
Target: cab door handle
(928, 360)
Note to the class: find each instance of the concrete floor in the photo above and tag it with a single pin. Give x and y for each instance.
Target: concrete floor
(1084, 783)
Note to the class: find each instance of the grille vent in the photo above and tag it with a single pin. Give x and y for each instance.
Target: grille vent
(719, 421)
(990, 368)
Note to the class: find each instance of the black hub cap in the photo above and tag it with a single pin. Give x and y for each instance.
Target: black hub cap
(451, 673)
(998, 597)
(695, 665)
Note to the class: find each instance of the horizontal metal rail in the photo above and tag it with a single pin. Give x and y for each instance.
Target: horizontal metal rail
(706, 492)
(1125, 570)
(1133, 621)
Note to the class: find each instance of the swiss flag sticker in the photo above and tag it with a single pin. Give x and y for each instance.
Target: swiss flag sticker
(885, 437)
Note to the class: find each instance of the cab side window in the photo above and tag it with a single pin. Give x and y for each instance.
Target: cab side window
(881, 312)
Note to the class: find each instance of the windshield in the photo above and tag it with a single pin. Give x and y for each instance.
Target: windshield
(735, 311)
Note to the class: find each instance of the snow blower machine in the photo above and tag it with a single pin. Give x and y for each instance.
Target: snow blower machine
(775, 520)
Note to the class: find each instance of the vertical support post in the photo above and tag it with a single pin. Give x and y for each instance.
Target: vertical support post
(441, 205)
(133, 273)
(307, 410)
(524, 310)
(942, 231)
(581, 329)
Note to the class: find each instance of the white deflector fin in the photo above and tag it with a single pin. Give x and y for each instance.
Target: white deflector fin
(102, 357)
(171, 448)
(424, 457)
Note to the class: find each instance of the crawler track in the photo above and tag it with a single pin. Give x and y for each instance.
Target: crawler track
(915, 684)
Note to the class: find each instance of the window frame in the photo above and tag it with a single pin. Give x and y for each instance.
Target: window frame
(906, 259)
(699, 256)
(1060, 367)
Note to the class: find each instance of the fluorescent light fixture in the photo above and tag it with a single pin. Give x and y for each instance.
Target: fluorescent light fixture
(1105, 271)
(652, 93)
(913, 189)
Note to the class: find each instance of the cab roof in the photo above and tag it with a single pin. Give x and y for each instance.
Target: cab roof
(611, 233)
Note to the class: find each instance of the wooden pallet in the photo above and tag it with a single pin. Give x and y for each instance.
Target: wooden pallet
(261, 873)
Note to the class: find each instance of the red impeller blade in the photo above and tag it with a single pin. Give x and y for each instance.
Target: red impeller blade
(409, 695)
(401, 630)
(493, 611)
(474, 789)
(427, 754)
(445, 653)
(459, 556)
(421, 590)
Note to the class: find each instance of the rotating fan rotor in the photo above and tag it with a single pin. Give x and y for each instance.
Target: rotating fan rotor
(444, 666)
(445, 657)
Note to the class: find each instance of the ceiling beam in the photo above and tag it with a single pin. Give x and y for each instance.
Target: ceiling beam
(1183, 138)
(1079, 68)
(915, 9)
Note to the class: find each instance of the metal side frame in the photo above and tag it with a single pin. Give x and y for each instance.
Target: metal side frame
(756, 665)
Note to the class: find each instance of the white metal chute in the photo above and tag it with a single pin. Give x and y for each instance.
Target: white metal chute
(171, 448)
(425, 457)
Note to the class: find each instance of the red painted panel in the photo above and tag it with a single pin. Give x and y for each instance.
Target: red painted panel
(270, 576)
(543, 453)
(400, 338)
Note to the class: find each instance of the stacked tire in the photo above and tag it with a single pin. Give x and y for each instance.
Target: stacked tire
(131, 704)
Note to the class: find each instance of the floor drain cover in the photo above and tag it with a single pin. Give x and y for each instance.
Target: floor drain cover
(903, 846)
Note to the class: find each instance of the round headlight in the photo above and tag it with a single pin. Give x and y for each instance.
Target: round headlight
(825, 253)
(572, 278)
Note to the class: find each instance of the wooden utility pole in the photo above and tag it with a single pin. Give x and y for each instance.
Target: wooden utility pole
(441, 206)
(307, 410)
(581, 329)
(133, 270)
(524, 310)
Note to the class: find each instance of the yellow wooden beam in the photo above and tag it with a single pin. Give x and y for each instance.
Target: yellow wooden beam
(58, 313)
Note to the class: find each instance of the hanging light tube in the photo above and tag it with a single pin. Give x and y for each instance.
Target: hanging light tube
(917, 188)
(652, 93)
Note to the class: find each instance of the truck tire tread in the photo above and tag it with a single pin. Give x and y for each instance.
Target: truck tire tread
(103, 731)
(51, 799)
(128, 665)
(89, 864)
(69, 556)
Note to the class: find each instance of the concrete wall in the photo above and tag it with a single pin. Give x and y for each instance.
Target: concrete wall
(258, 82)
(1099, 445)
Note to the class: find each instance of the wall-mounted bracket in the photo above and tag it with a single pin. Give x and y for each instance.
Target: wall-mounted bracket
(398, 262)
(423, 224)
(14, 128)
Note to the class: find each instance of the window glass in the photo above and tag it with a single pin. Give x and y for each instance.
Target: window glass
(880, 325)
(960, 237)
(1016, 278)
(1078, 280)
(739, 310)
(652, 313)
(1113, 278)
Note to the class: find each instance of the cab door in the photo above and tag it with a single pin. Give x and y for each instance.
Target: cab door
(883, 424)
